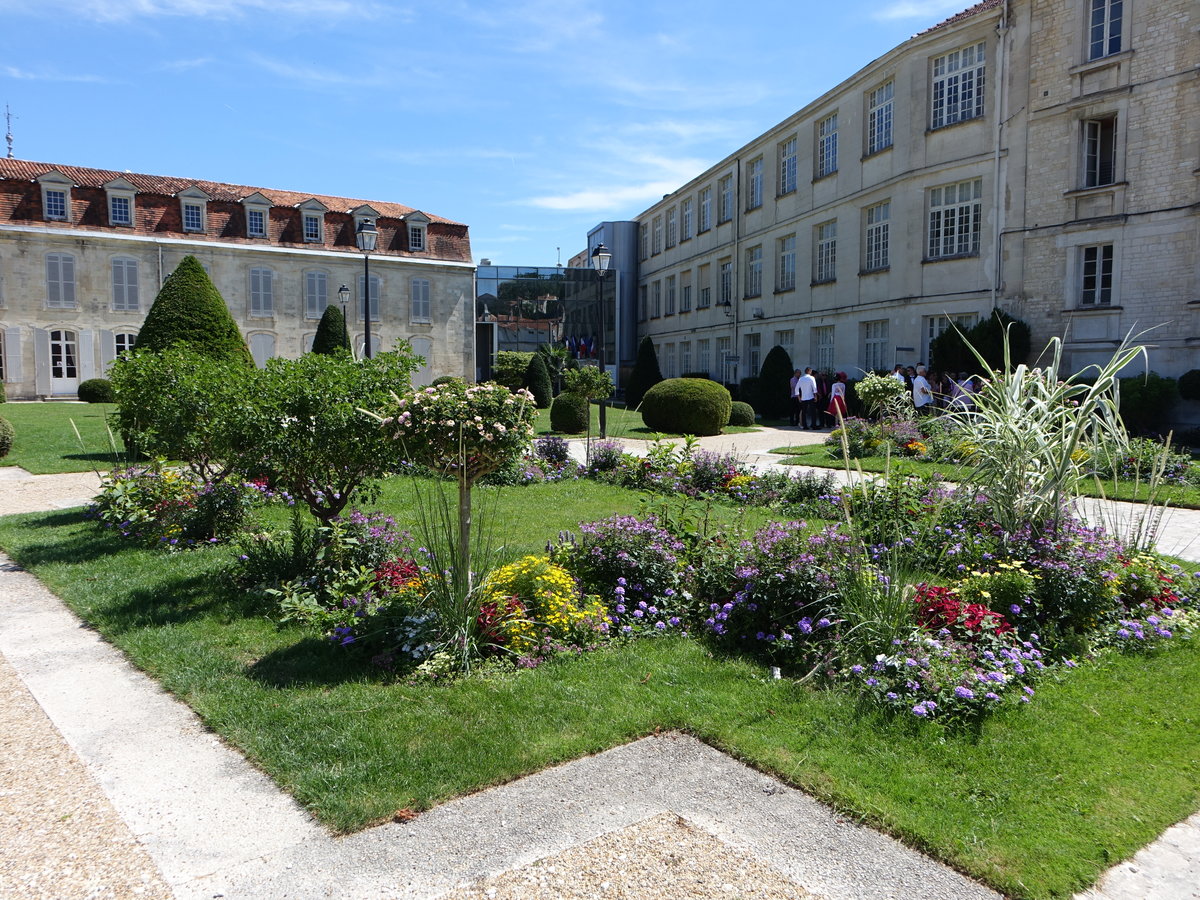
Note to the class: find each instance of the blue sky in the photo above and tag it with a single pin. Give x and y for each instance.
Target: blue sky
(530, 121)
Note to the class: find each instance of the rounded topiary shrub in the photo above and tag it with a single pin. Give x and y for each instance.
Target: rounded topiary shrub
(6, 437)
(447, 379)
(97, 390)
(569, 413)
(741, 414)
(1189, 385)
(686, 406)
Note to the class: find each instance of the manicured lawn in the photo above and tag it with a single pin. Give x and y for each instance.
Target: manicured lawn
(621, 423)
(818, 455)
(46, 443)
(1037, 801)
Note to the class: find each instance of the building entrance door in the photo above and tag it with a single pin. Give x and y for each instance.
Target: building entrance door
(64, 362)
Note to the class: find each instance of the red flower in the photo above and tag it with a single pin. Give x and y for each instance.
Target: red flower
(396, 573)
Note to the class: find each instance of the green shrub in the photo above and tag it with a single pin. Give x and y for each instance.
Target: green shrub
(537, 381)
(97, 390)
(774, 385)
(569, 413)
(510, 367)
(189, 310)
(949, 352)
(447, 379)
(1189, 385)
(1146, 400)
(686, 406)
(741, 414)
(332, 336)
(6, 437)
(645, 374)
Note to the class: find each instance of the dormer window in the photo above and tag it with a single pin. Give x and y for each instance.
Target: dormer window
(364, 213)
(194, 209)
(258, 214)
(416, 224)
(120, 201)
(312, 221)
(56, 196)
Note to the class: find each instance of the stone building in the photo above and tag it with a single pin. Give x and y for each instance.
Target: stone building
(83, 253)
(1034, 155)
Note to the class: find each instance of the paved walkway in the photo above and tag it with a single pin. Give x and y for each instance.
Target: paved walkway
(139, 800)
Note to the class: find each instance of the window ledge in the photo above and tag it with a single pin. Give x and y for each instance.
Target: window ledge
(1096, 190)
(932, 130)
(824, 281)
(879, 271)
(939, 259)
(420, 321)
(1102, 62)
(875, 153)
(1093, 310)
(788, 290)
(824, 177)
(785, 193)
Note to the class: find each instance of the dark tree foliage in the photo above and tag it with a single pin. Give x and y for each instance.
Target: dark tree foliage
(645, 375)
(537, 381)
(774, 385)
(1189, 384)
(949, 353)
(189, 310)
(332, 336)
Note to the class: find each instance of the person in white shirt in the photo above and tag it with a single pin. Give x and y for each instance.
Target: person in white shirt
(808, 399)
(922, 393)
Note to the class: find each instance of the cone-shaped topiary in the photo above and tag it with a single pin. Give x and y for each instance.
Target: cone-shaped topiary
(774, 385)
(331, 336)
(6, 437)
(645, 375)
(569, 413)
(687, 406)
(189, 310)
(537, 381)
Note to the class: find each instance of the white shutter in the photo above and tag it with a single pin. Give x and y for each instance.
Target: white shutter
(68, 279)
(41, 362)
(12, 355)
(423, 347)
(108, 350)
(87, 354)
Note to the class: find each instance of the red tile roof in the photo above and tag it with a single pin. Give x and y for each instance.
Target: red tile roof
(21, 169)
(975, 10)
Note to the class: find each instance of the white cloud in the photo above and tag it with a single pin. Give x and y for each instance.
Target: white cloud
(312, 75)
(49, 75)
(607, 198)
(919, 9)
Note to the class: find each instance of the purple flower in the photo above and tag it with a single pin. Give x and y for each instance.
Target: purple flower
(964, 692)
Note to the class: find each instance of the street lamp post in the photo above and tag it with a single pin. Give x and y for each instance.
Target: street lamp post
(601, 258)
(344, 298)
(365, 237)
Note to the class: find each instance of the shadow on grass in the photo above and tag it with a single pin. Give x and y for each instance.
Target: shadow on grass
(84, 545)
(177, 601)
(314, 662)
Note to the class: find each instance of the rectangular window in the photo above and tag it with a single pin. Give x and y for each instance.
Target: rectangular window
(752, 355)
(787, 340)
(787, 166)
(421, 308)
(704, 280)
(55, 204)
(120, 211)
(724, 351)
(754, 194)
(705, 210)
(262, 292)
(827, 144)
(725, 297)
(316, 294)
(957, 89)
(685, 291)
(312, 228)
(787, 263)
(668, 360)
(1104, 28)
(125, 285)
(124, 342)
(955, 219)
(416, 238)
(875, 345)
(754, 259)
(936, 325)
(60, 280)
(670, 311)
(645, 234)
(702, 358)
(672, 229)
(656, 241)
(825, 252)
(642, 303)
(725, 199)
(1099, 152)
(875, 244)
(685, 220)
(373, 301)
(1096, 271)
(685, 357)
(256, 223)
(193, 217)
(656, 300)
(879, 118)
(822, 338)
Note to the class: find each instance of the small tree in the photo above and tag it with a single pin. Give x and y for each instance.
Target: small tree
(537, 381)
(882, 395)
(592, 383)
(959, 351)
(774, 385)
(332, 337)
(645, 375)
(189, 310)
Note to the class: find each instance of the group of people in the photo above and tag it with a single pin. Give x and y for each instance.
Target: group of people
(816, 400)
(934, 391)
